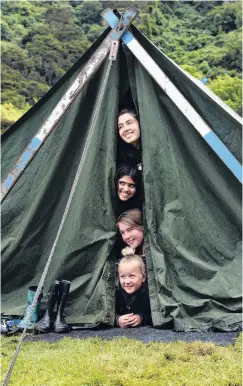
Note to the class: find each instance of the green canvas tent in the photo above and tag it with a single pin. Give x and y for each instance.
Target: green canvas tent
(192, 212)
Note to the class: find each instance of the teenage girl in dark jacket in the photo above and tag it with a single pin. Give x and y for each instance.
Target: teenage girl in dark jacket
(129, 139)
(129, 189)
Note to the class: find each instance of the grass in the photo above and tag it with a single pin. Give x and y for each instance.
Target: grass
(122, 362)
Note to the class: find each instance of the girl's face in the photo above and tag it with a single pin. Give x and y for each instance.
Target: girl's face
(126, 188)
(130, 276)
(131, 236)
(129, 129)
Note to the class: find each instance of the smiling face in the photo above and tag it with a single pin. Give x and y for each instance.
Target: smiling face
(129, 129)
(130, 276)
(126, 188)
(131, 236)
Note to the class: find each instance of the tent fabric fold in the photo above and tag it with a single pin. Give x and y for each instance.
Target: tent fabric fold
(192, 210)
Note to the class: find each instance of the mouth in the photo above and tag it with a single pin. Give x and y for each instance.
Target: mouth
(130, 242)
(128, 135)
(125, 194)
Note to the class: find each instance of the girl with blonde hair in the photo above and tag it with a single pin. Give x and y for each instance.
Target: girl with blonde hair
(132, 297)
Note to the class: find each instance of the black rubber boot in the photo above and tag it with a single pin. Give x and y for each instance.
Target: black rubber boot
(45, 324)
(60, 325)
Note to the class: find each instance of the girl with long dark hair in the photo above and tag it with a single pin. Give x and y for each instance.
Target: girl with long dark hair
(129, 139)
(128, 182)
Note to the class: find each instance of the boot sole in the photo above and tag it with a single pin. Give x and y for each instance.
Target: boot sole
(60, 330)
(41, 331)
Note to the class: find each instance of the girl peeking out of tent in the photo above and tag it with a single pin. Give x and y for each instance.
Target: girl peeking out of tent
(128, 182)
(130, 226)
(129, 142)
(132, 298)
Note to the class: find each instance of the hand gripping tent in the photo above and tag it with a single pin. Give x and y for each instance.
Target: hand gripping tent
(192, 211)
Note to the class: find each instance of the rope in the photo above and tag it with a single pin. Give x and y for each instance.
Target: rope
(77, 176)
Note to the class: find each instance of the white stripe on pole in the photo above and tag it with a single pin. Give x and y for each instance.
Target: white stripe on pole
(56, 114)
(167, 86)
(183, 105)
(203, 87)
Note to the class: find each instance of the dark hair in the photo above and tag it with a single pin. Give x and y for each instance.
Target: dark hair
(137, 200)
(128, 111)
(131, 171)
(126, 152)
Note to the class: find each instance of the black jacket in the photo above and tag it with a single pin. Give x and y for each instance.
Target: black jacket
(133, 203)
(128, 154)
(136, 303)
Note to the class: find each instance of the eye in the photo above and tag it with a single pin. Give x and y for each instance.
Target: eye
(121, 183)
(132, 186)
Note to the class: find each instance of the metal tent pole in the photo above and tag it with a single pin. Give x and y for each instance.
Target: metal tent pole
(109, 44)
(178, 99)
(115, 37)
(57, 113)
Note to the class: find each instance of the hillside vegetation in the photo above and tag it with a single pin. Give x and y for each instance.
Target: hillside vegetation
(41, 40)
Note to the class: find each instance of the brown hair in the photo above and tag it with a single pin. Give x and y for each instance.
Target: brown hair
(132, 217)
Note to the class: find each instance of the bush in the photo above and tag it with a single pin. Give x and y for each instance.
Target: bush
(9, 114)
(229, 90)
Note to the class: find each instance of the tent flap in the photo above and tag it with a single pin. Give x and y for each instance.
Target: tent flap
(192, 210)
(193, 217)
(32, 212)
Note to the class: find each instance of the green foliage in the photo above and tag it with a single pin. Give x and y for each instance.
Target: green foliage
(229, 89)
(41, 40)
(226, 18)
(10, 114)
(193, 71)
(89, 12)
(94, 32)
(122, 362)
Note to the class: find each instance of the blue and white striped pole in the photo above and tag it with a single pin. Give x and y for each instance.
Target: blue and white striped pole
(50, 123)
(179, 100)
(81, 80)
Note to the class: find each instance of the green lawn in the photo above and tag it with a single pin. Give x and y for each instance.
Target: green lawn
(122, 362)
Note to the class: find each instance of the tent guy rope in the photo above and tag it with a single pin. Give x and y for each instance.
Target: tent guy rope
(75, 183)
(34, 145)
(73, 189)
(68, 98)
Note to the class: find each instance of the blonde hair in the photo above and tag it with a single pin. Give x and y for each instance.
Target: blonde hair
(128, 256)
(133, 218)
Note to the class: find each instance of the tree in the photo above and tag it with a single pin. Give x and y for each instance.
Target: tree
(41, 40)
(225, 18)
(89, 12)
(229, 89)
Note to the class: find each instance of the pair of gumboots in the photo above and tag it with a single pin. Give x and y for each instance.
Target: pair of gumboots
(132, 297)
